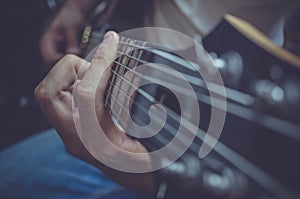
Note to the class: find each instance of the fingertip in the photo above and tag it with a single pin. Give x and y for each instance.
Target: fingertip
(106, 51)
(110, 35)
(73, 50)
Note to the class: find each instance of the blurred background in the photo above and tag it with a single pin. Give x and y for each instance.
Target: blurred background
(22, 24)
(21, 68)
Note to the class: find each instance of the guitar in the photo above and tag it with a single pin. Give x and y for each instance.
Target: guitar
(256, 154)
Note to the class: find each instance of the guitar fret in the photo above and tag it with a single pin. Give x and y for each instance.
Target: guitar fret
(121, 70)
(113, 78)
(129, 54)
(133, 45)
(125, 100)
(116, 70)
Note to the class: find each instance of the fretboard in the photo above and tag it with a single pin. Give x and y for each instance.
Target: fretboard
(129, 55)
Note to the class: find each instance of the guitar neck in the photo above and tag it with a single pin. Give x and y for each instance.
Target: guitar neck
(262, 88)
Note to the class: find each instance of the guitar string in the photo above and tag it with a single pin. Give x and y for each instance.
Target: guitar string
(248, 168)
(239, 160)
(231, 94)
(135, 65)
(126, 63)
(144, 110)
(291, 130)
(278, 125)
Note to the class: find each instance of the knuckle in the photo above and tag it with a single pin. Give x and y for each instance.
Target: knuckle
(41, 92)
(85, 92)
(69, 58)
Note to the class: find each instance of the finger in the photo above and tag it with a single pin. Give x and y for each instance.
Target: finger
(82, 70)
(72, 42)
(99, 69)
(60, 78)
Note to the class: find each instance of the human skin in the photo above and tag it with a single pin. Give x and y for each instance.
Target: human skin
(61, 36)
(56, 92)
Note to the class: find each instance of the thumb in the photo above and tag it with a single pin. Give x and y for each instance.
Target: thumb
(72, 42)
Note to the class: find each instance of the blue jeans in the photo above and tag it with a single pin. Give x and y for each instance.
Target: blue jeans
(40, 167)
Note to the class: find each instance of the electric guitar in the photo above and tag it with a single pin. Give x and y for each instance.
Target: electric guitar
(256, 156)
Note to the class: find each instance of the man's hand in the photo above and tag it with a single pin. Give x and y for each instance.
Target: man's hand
(61, 37)
(55, 96)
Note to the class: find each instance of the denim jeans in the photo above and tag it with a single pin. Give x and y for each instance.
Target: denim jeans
(40, 167)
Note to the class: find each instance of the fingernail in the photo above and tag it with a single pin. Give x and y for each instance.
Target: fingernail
(107, 37)
(73, 50)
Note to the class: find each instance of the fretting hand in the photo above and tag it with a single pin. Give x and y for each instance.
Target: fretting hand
(55, 94)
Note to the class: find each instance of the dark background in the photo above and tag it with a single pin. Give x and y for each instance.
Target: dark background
(21, 68)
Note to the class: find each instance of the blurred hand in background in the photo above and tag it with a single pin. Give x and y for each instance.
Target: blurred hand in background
(62, 35)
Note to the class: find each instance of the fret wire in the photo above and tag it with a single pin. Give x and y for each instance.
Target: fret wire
(121, 79)
(131, 79)
(143, 47)
(133, 45)
(124, 43)
(142, 76)
(113, 76)
(122, 69)
(121, 38)
(112, 79)
(117, 67)
(135, 58)
(149, 97)
(152, 45)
